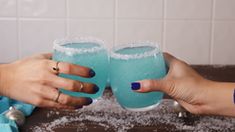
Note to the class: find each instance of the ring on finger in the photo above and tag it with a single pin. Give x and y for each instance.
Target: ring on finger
(56, 68)
(81, 86)
(57, 97)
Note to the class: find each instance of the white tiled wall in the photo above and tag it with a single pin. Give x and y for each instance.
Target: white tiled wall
(197, 31)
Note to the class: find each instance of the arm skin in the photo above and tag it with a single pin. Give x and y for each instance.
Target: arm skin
(221, 99)
(195, 93)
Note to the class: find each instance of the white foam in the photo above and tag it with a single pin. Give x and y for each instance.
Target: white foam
(58, 45)
(153, 52)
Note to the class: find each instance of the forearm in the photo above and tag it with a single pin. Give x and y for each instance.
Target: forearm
(1, 78)
(3, 82)
(220, 99)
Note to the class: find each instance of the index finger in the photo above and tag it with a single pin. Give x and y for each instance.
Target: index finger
(72, 69)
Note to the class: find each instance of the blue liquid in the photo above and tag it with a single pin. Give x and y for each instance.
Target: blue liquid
(124, 72)
(98, 61)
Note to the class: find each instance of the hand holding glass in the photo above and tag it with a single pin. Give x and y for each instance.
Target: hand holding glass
(133, 62)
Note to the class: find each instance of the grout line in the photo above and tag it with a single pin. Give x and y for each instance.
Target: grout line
(100, 18)
(8, 18)
(59, 18)
(40, 19)
(212, 32)
(67, 33)
(103, 18)
(139, 18)
(43, 18)
(164, 26)
(18, 30)
(115, 23)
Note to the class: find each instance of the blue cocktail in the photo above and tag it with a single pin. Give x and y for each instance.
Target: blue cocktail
(131, 63)
(86, 52)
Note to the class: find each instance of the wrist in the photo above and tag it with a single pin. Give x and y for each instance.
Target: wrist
(219, 99)
(3, 80)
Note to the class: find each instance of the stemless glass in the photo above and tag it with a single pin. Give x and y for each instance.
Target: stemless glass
(88, 52)
(133, 62)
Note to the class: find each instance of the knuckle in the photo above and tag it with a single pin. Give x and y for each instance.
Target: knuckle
(68, 67)
(149, 83)
(43, 75)
(43, 79)
(171, 89)
(72, 85)
(38, 102)
(44, 63)
(40, 90)
(66, 100)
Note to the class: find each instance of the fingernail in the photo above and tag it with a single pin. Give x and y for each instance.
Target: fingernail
(135, 86)
(96, 88)
(92, 73)
(89, 101)
(78, 107)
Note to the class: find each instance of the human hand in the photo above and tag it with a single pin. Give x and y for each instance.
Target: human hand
(33, 80)
(182, 83)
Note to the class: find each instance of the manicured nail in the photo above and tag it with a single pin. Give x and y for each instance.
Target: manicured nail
(96, 88)
(89, 101)
(135, 86)
(92, 73)
(78, 107)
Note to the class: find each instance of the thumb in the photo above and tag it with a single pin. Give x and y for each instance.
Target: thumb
(144, 86)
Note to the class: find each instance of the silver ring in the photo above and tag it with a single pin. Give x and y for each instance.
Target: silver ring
(56, 68)
(81, 86)
(57, 97)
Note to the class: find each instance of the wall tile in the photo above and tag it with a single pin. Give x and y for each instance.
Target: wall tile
(38, 36)
(189, 40)
(187, 28)
(139, 30)
(8, 44)
(224, 9)
(42, 8)
(140, 8)
(188, 9)
(8, 8)
(224, 43)
(102, 29)
(91, 8)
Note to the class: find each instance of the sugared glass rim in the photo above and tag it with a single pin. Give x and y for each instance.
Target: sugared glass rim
(58, 45)
(156, 50)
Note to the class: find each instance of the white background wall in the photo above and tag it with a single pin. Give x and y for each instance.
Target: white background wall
(198, 31)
